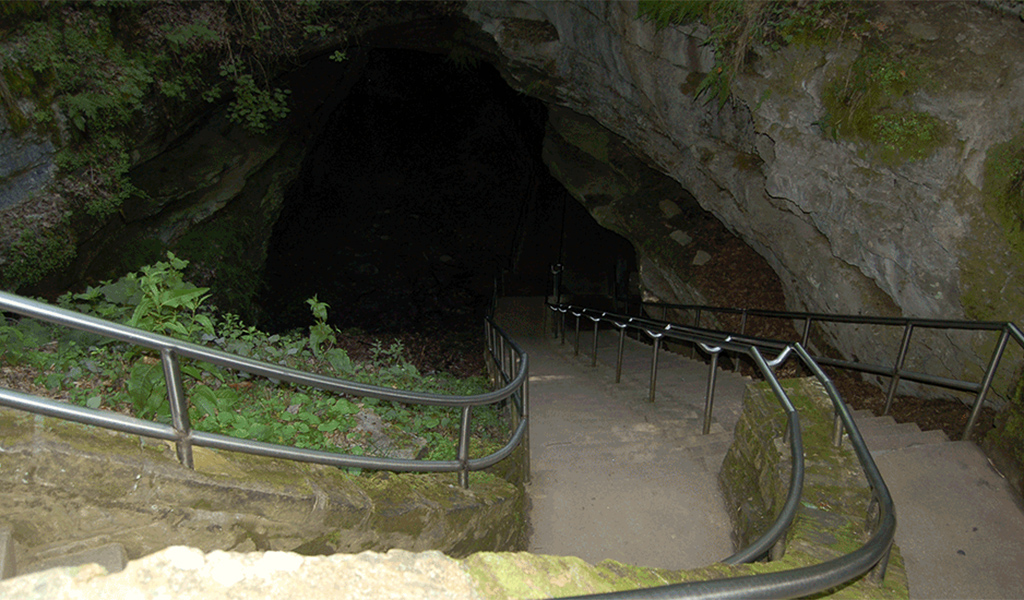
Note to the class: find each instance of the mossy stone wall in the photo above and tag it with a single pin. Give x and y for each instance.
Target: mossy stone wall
(66, 487)
(833, 513)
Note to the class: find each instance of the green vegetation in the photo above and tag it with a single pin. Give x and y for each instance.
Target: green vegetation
(34, 255)
(110, 65)
(736, 27)
(1004, 188)
(98, 75)
(871, 103)
(101, 373)
(219, 250)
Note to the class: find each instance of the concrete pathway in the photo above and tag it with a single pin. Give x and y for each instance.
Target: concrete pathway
(958, 525)
(615, 476)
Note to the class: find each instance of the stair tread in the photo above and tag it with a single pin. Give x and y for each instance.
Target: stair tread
(111, 557)
(895, 441)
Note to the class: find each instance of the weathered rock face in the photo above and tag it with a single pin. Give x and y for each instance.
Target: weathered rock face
(26, 164)
(844, 231)
(73, 487)
(216, 192)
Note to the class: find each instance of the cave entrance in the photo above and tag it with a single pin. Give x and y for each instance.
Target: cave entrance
(422, 191)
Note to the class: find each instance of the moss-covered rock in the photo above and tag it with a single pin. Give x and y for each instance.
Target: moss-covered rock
(64, 483)
(832, 518)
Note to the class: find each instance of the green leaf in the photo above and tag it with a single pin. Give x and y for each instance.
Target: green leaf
(339, 360)
(175, 327)
(192, 371)
(328, 427)
(205, 399)
(345, 407)
(177, 298)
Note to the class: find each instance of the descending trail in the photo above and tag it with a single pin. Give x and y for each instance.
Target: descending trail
(615, 476)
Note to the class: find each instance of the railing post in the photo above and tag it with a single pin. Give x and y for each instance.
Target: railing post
(463, 451)
(576, 346)
(593, 354)
(556, 272)
(986, 383)
(526, 415)
(501, 359)
(179, 406)
(496, 358)
(564, 313)
(654, 363)
(510, 361)
(894, 382)
(709, 396)
(696, 324)
(618, 359)
(489, 353)
(743, 322)
(807, 332)
(515, 410)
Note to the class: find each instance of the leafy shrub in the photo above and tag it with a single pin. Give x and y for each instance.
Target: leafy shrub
(101, 373)
(100, 72)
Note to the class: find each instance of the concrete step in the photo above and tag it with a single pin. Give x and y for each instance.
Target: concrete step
(959, 528)
(886, 426)
(881, 444)
(8, 566)
(111, 557)
(884, 434)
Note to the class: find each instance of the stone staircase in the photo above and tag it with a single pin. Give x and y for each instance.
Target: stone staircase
(110, 556)
(958, 525)
(883, 434)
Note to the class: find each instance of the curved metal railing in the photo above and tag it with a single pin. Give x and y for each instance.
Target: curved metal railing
(897, 371)
(872, 555)
(507, 361)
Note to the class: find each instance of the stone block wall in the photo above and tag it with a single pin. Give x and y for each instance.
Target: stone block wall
(833, 514)
(67, 487)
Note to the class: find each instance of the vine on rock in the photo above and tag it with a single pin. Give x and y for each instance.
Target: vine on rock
(102, 74)
(736, 27)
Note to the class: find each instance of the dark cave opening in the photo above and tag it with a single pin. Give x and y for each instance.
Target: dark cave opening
(423, 191)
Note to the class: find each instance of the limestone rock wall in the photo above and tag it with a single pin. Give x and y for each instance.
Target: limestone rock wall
(835, 501)
(67, 487)
(843, 231)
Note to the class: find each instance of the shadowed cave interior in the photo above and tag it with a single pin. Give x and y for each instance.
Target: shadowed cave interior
(424, 188)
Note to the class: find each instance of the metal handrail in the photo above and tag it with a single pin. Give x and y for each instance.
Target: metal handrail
(873, 555)
(506, 357)
(1008, 330)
